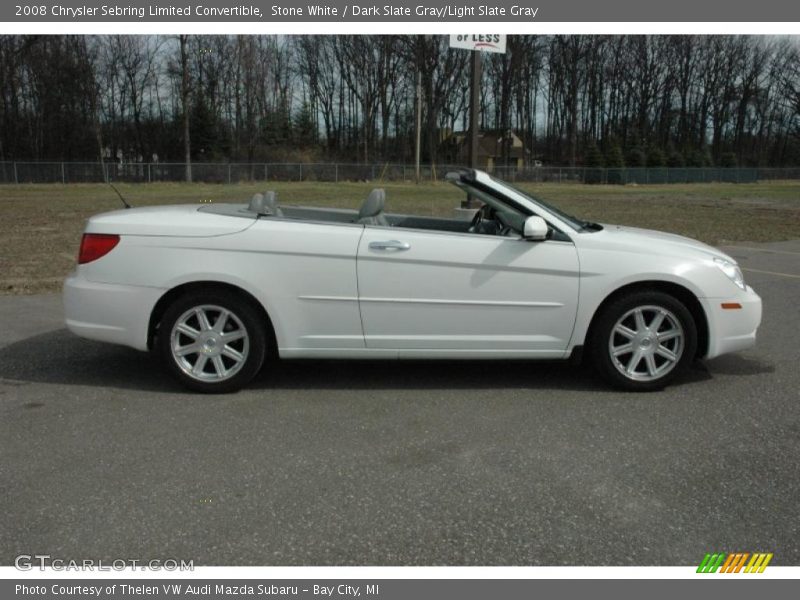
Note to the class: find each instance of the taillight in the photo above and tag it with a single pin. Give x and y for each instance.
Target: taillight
(96, 245)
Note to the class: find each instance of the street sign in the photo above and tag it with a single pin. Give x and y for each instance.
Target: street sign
(485, 42)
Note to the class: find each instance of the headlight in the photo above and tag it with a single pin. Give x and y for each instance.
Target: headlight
(732, 271)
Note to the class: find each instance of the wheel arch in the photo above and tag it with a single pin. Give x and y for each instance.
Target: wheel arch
(194, 286)
(676, 290)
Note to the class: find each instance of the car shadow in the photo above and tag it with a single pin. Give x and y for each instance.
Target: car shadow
(58, 357)
(737, 365)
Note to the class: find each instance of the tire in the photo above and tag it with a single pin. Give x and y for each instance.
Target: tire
(641, 341)
(207, 355)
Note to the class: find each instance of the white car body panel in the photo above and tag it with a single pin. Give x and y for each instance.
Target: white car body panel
(161, 221)
(449, 295)
(253, 260)
(466, 292)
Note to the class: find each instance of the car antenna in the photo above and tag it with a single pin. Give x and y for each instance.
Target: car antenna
(120, 195)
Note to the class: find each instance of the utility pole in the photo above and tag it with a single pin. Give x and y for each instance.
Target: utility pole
(419, 125)
(187, 144)
(474, 120)
(476, 44)
(474, 108)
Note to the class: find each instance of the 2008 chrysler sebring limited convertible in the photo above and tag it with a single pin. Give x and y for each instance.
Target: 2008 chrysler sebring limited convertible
(217, 288)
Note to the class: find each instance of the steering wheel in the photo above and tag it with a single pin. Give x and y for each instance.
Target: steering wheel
(503, 224)
(476, 220)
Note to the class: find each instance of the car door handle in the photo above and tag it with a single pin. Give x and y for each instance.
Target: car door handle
(395, 245)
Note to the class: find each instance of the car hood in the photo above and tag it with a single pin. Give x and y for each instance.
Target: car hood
(657, 242)
(183, 220)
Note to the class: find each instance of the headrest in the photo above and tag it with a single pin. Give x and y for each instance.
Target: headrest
(373, 205)
(271, 201)
(263, 204)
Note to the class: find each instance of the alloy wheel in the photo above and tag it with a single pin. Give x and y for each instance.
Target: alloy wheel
(209, 343)
(646, 343)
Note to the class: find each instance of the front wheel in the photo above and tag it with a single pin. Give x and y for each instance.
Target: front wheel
(641, 341)
(212, 342)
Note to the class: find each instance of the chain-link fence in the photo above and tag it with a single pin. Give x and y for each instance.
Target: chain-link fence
(92, 172)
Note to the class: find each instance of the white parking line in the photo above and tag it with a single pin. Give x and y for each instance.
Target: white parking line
(771, 273)
(762, 250)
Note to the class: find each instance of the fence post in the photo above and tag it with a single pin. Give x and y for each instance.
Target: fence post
(301, 171)
(229, 173)
(16, 178)
(336, 172)
(63, 176)
(149, 180)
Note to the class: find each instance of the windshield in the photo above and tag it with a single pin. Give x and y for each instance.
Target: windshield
(572, 221)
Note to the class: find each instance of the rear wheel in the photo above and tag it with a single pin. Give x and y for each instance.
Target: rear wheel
(212, 342)
(643, 340)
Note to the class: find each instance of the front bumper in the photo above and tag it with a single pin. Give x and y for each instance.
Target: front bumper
(731, 330)
(118, 314)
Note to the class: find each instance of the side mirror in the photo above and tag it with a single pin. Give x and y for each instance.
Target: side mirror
(535, 229)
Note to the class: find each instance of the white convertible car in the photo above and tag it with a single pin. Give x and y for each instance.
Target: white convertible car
(216, 289)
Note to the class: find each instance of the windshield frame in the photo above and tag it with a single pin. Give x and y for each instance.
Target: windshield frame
(571, 220)
(559, 221)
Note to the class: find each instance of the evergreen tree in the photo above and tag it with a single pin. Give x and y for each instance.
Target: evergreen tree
(728, 160)
(676, 160)
(304, 127)
(636, 157)
(655, 157)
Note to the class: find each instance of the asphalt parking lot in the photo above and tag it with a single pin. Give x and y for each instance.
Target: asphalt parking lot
(387, 463)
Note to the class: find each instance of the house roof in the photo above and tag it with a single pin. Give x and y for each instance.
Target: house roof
(490, 143)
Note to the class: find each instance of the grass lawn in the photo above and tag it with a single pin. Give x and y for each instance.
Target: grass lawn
(42, 224)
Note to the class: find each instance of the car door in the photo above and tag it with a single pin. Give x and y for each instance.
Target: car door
(433, 291)
(306, 274)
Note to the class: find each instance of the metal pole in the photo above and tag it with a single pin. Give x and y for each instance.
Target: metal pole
(63, 175)
(474, 119)
(418, 143)
(474, 108)
(16, 178)
(336, 172)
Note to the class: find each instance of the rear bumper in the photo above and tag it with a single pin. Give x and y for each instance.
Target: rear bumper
(118, 314)
(731, 330)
